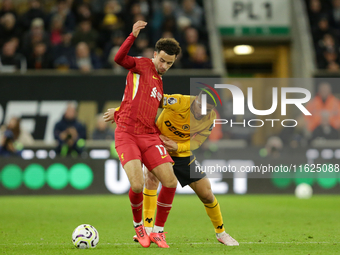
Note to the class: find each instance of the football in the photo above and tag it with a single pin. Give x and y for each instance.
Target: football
(303, 191)
(85, 236)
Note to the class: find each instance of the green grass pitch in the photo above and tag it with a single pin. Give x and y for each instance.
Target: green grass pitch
(262, 224)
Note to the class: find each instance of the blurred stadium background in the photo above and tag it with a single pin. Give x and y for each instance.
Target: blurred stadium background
(58, 55)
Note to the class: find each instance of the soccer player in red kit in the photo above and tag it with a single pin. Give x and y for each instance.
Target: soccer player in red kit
(137, 136)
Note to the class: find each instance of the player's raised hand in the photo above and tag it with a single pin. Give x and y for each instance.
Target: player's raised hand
(109, 115)
(137, 27)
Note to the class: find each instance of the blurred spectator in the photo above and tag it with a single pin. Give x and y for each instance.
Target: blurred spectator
(98, 5)
(167, 34)
(193, 58)
(325, 130)
(327, 43)
(111, 64)
(8, 28)
(199, 60)
(160, 19)
(35, 35)
(35, 11)
(333, 66)
(102, 130)
(69, 133)
(56, 30)
(273, 147)
(64, 11)
(141, 43)
(85, 61)
(74, 4)
(335, 14)
(191, 38)
(295, 136)
(13, 138)
(148, 53)
(83, 12)
(7, 147)
(134, 13)
(323, 101)
(189, 11)
(109, 21)
(40, 57)
(329, 56)
(85, 33)
(145, 7)
(64, 53)
(169, 25)
(11, 61)
(314, 11)
(7, 7)
(322, 28)
(117, 38)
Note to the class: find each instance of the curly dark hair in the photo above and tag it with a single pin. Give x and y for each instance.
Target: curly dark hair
(169, 45)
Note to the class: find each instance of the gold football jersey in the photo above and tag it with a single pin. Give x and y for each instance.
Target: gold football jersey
(178, 123)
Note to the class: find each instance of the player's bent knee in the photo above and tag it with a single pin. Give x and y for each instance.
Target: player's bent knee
(170, 183)
(137, 187)
(207, 197)
(151, 183)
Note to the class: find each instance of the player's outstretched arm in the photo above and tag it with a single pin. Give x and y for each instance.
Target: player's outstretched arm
(122, 57)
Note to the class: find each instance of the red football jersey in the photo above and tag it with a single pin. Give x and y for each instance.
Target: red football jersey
(142, 95)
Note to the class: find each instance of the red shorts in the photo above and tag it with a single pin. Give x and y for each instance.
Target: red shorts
(148, 148)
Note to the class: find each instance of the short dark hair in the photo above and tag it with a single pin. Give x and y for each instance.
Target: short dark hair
(169, 45)
(210, 100)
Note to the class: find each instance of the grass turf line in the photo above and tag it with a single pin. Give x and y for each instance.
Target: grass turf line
(262, 224)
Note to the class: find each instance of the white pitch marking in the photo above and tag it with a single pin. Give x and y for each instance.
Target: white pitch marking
(216, 243)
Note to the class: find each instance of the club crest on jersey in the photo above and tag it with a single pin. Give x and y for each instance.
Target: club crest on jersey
(186, 127)
(156, 94)
(172, 100)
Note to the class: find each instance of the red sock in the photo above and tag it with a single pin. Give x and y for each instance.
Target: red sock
(164, 204)
(136, 200)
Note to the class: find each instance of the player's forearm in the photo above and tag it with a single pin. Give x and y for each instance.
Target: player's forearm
(192, 144)
(183, 147)
(121, 57)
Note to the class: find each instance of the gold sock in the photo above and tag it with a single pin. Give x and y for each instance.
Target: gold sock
(149, 204)
(214, 212)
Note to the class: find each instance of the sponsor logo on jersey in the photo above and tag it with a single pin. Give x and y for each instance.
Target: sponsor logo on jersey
(159, 96)
(211, 127)
(154, 77)
(164, 156)
(174, 130)
(155, 93)
(172, 100)
(186, 127)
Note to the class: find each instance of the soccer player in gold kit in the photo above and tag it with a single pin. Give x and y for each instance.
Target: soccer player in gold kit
(183, 129)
